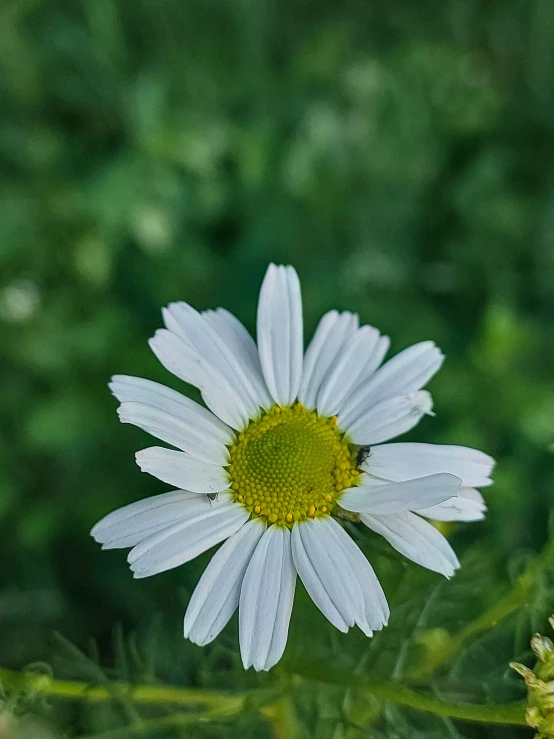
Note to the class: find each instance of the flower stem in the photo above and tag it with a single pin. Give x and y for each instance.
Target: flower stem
(150, 694)
(282, 717)
(391, 692)
(218, 706)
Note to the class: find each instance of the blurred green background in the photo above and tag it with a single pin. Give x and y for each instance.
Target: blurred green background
(399, 154)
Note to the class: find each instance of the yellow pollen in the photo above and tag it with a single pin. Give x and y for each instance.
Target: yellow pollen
(291, 464)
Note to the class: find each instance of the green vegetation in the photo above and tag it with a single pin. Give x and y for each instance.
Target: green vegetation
(400, 156)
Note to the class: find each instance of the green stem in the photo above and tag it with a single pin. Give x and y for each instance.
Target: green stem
(153, 694)
(219, 706)
(515, 599)
(510, 713)
(282, 717)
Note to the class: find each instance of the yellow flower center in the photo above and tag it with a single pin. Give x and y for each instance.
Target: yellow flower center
(291, 464)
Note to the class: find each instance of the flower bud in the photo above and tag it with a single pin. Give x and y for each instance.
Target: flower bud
(540, 685)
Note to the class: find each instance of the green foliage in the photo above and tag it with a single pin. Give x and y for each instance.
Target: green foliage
(399, 154)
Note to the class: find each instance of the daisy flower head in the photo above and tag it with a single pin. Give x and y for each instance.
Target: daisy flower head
(290, 442)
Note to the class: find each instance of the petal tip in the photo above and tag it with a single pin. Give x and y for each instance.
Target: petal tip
(139, 458)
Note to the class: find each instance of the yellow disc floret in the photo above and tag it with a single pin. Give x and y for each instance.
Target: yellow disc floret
(291, 464)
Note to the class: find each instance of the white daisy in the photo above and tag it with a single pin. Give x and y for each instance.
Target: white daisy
(291, 441)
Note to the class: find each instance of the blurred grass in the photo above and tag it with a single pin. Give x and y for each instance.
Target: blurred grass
(400, 155)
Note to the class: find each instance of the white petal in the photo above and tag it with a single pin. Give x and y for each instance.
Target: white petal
(406, 460)
(387, 419)
(358, 358)
(128, 526)
(372, 363)
(405, 373)
(187, 539)
(138, 390)
(266, 599)
(396, 497)
(416, 539)
(327, 574)
(175, 431)
(139, 506)
(468, 505)
(216, 597)
(235, 334)
(183, 470)
(185, 362)
(199, 332)
(280, 335)
(243, 346)
(376, 608)
(333, 330)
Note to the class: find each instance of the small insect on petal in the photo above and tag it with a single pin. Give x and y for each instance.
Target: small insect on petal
(361, 455)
